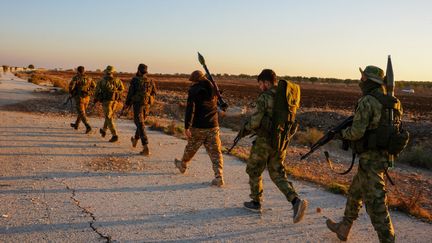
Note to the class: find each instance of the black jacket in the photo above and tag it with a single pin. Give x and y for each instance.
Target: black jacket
(201, 110)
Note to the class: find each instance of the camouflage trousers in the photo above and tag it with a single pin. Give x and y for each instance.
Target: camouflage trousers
(368, 185)
(109, 108)
(139, 118)
(81, 104)
(212, 143)
(263, 155)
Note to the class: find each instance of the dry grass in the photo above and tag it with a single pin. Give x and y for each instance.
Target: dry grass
(308, 137)
(42, 78)
(418, 156)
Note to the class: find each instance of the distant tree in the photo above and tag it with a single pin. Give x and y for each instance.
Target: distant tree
(5, 68)
(98, 70)
(313, 79)
(31, 66)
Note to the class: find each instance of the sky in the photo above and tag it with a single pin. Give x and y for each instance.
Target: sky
(312, 38)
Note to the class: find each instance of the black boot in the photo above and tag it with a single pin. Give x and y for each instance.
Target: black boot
(134, 141)
(88, 129)
(102, 132)
(113, 139)
(253, 206)
(74, 126)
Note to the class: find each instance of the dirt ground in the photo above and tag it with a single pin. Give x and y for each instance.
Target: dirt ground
(240, 93)
(57, 185)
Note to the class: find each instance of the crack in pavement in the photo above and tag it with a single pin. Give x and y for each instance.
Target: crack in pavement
(88, 212)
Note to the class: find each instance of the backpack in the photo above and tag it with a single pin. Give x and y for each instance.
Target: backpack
(286, 103)
(145, 91)
(107, 89)
(83, 86)
(390, 137)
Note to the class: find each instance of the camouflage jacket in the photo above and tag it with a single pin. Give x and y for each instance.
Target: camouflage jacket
(81, 86)
(142, 91)
(260, 121)
(367, 117)
(109, 89)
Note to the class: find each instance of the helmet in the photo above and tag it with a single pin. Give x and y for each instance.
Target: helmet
(196, 75)
(109, 69)
(374, 73)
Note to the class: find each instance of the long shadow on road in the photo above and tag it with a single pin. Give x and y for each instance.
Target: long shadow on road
(162, 188)
(70, 175)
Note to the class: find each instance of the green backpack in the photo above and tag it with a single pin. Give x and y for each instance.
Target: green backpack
(108, 89)
(144, 93)
(286, 103)
(392, 138)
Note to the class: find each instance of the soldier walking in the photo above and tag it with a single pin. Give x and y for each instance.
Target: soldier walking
(81, 88)
(262, 153)
(202, 126)
(108, 91)
(141, 95)
(368, 184)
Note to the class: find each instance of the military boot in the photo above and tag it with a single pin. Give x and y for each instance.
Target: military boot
(134, 141)
(180, 165)
(218, 181)
(113, 139)
(74, 126)
(341, 229)
(88, 129)
(253, 206)
(299, 208)
(145, 151)
(102, 132)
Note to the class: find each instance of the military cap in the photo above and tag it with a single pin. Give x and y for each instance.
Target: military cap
(109, 69)
(374, 73)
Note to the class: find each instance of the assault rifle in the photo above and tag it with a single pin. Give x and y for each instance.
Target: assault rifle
(329, 136)
(221, 103)
(124, 111)
(69, 100)
(242, 133)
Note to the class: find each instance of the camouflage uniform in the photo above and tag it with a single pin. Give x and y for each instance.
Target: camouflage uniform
(368, 184)
(109, 101)
(212, 143)
(80, 88)
(263, 155)
(141, 95)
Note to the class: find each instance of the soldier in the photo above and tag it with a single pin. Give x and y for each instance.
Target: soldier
(81, 88)
(263, 155)
(202, 126)
(108, 91)
(368, 184)
(142, 91)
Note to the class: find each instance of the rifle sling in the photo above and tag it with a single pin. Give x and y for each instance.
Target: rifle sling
(351, 166)
(326, 153)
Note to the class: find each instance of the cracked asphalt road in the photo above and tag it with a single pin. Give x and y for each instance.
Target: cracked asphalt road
(60, 185)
